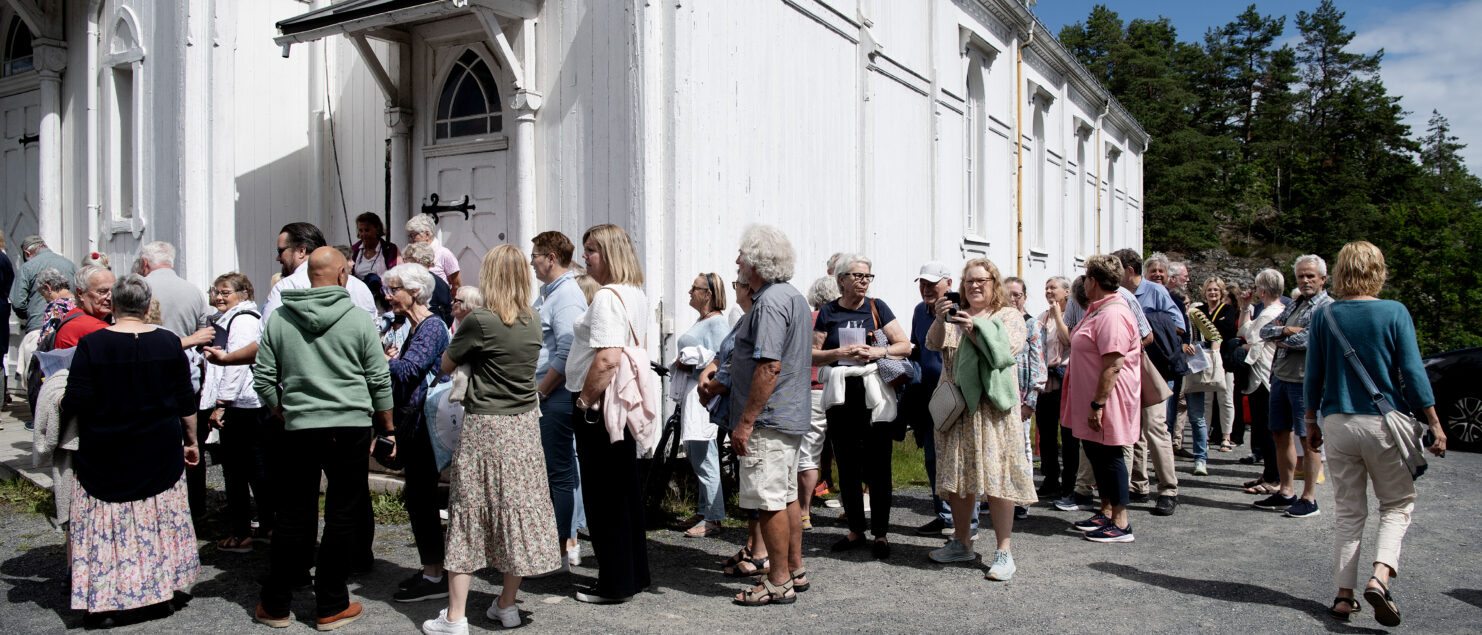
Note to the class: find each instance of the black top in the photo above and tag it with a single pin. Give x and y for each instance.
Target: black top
(1226, 318)
(441, 303)
(833, 316)
(128, 393)
(7, 278)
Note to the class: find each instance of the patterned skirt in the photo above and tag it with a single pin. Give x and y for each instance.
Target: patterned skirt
(128, 555)
(983, 455)
(499, 501)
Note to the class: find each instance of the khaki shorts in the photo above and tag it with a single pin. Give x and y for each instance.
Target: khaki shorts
(769, 478)
(812, 448)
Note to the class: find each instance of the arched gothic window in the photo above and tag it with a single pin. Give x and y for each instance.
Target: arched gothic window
(17, 49)
(469, 103)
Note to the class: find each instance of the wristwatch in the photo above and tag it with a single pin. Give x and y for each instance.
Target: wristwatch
(1096, 405)
(582, 403)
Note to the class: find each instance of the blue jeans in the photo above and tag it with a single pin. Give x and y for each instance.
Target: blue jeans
(558, 442)
(705, 458)
(1286, 408)
(579, 510)
(944, 511)
(1198, 425)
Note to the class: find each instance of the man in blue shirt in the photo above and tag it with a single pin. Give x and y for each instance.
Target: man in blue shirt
(934, 280)
(1156, 442)
(561, 301)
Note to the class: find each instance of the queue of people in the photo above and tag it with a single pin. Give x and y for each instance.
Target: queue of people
(558, 400)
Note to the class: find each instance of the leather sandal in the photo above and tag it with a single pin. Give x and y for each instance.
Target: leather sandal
(743, 554)
(768, 593)
(1385, 611)
(797, 574)
(1353, 607)
(703, 529)
(758, 565)
(1263, 489)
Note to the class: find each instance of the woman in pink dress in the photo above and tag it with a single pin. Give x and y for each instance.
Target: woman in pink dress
(1101, 399)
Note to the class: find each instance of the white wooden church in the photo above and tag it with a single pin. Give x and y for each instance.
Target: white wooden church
(908, 130)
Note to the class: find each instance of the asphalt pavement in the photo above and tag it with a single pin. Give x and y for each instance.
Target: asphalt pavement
(1217, 566)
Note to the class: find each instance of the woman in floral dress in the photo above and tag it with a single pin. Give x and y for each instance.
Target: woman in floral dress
(499, 503)
(132, 541)
(981, 456)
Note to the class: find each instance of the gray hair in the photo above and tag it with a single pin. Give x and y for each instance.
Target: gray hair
(767, 250)
(131, 296)
(420, 224)
(471, 296)
(158, 254)
(415, 278)
(1270, 282)
(32, 243)
(84, 277)
(1062, 281)
(847, 262)
(1177, 268)
(1322, 265)
(1157, 259)
(51, 279)
(823, 291)
(420, 253)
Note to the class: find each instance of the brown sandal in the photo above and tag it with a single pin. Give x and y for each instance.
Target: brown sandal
(1262, 489)
(743, 554)
(758, 566)
(767, 593)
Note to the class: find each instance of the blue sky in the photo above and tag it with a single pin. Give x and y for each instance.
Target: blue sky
(1433, 50)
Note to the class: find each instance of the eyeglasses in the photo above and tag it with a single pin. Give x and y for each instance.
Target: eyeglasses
(862, 277)
(977, 282)
(283, 249)
(1016, 294)
(222, 293)
(389, 290)
(737, 285)
(457, 301)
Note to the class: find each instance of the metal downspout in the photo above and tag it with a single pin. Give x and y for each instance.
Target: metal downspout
(1019, 152)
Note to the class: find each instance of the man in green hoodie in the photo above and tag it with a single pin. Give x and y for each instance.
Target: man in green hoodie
(320, 366)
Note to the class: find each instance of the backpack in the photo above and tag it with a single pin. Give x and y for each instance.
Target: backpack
(219, 339)
(34, 376)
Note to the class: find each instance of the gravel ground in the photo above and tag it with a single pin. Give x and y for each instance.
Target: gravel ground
(1216, 566)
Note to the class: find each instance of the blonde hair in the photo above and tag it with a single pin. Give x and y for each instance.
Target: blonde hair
(1218, 282)
(588, 286)
(1000, 297)
(1359, 270)
(504, 280)
(618, 254)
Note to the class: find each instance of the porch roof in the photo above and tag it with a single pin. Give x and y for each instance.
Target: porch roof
(355, 16)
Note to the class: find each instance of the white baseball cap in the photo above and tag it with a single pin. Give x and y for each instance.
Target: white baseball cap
(934, 271)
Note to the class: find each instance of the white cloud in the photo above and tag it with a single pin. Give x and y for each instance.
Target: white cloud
(1433, 60)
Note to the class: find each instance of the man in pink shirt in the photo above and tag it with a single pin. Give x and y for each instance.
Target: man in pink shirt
(445, 264)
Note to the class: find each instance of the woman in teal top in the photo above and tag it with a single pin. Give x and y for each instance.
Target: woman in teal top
(1360, 448)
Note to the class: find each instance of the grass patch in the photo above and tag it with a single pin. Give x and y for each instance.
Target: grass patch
(907, 464)
(19, 494)
(389, 508)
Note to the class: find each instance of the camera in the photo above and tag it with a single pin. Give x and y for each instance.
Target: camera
(956, 299)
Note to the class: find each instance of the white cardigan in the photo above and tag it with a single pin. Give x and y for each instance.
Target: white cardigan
(879, 397)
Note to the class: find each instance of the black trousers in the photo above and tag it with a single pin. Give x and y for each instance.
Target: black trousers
(1263, 443)
(1110, 468)
(614, 505)
(1059, 469)
(247, 431)
(422, 496)
(342, 455)
(862, 450)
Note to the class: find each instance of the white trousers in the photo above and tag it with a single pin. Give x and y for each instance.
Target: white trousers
(1361, 452)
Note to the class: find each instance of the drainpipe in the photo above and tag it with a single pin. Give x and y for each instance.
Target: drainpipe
(1019, 152)
(1100, 170)
(94, 170)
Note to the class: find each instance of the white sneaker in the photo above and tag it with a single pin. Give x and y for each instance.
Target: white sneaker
(1003, 566)
(573, 556)
(441, 626)
(833, 503)
(508, 618)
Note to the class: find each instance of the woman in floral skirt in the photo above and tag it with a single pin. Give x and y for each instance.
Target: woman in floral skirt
(499, 505)
(133, 544)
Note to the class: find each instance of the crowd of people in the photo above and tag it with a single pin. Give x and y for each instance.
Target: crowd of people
(134, 371)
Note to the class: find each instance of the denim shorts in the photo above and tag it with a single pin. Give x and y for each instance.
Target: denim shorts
(1286, 408)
